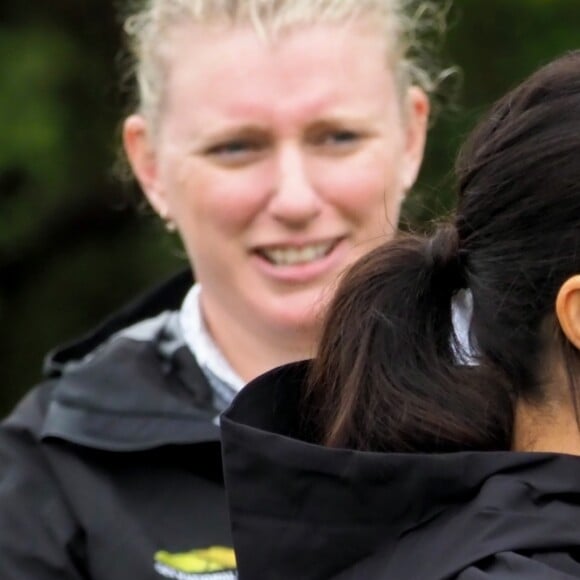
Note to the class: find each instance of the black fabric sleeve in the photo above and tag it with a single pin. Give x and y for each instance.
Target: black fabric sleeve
(39, 539)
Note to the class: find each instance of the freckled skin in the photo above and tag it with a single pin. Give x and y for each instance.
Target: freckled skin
(263, 145)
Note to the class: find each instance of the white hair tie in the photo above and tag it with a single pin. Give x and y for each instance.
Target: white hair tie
(464, 350)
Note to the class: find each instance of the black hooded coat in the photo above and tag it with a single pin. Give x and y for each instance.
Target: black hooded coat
(299, 510)
(110, 469)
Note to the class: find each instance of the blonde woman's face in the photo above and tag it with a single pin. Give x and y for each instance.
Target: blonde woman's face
(280, 164)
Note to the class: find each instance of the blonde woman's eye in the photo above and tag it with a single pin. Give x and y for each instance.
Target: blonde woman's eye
(233, 148)
(237, 152)
(342, 138)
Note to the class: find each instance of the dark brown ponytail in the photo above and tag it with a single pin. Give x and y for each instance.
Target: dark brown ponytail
(386, 377)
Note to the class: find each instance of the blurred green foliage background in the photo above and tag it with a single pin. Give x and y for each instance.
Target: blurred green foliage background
(74, 246)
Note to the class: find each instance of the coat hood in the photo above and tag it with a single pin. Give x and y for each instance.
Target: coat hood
(300, 510)
(132, 384)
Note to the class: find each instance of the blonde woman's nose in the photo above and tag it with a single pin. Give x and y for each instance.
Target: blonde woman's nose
(294, 200)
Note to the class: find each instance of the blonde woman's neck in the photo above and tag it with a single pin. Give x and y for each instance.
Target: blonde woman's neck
(252, 350)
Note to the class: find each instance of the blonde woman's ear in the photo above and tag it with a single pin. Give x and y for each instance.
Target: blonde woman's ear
(140, 150)
(417, 120)
(568, 309)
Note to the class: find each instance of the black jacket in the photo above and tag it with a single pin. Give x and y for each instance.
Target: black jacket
(299, 510)
(111, 469)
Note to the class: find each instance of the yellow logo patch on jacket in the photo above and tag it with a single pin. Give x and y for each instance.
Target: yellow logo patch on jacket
(214, 563)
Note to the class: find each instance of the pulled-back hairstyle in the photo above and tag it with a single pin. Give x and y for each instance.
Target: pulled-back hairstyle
(387, 377)
(403, 23)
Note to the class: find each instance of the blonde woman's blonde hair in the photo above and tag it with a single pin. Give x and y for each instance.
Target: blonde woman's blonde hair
(403, 23)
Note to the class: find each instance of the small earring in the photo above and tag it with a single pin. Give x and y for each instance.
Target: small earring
(170, 226)
(167, 221)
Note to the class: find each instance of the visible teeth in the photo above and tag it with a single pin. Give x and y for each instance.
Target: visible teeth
(291, 256)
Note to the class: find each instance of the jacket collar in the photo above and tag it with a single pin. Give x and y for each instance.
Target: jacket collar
(324, 510)
(132, 384)
(167, 296)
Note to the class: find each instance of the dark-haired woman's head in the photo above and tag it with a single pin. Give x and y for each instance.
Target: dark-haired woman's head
(389, 373)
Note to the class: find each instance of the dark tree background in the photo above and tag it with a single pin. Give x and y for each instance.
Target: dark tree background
(73, 244)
